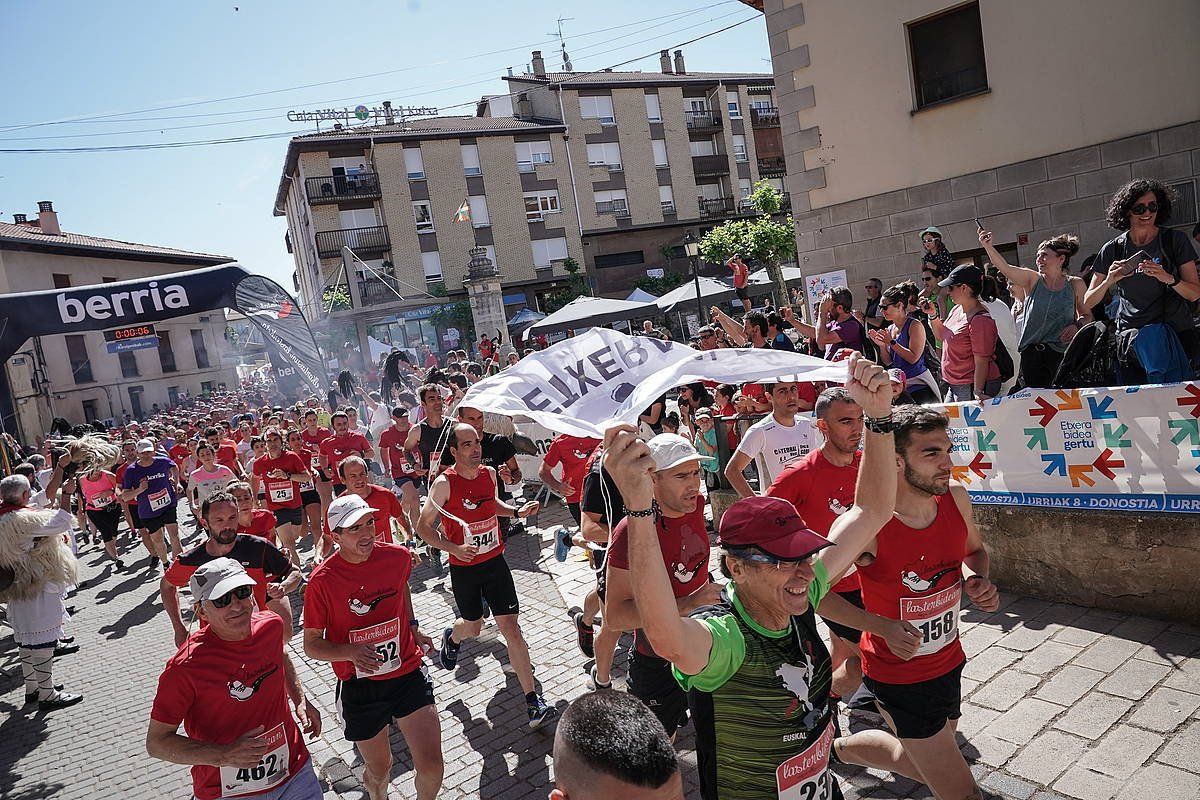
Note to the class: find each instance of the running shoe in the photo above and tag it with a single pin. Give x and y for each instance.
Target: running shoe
(562, 544)
(594, 684)
(65, 650)
(435, 560)
(448, 655)
(539, 712)
(584, 635)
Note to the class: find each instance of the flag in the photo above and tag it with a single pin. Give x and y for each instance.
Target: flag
(464, 211)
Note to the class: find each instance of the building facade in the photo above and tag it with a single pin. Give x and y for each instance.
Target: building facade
(391, 193)
(73, 375)
(1023, 114)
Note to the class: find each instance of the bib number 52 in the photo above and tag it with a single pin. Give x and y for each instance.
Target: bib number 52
(388, 651)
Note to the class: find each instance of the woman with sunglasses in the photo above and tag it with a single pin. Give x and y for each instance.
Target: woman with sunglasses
(902, 343)
(1163, 283)
(1053, 310)
(936, 256)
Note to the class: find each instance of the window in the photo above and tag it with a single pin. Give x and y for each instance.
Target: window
(659, 146)
(166, 356)
(653, 110)
(607, 154)
(199, 348)
(540, 204)
(423, 214)
(61, 281)
(108, 280)
(739, 148)
(413, 164)
(129, 367)
(81, 366)
(612, 202)
(206, 387)
(695, 104)
(600, 108)
(479, 211)
(431, 264)
(90, 413)
(702, 147)
(667, 198)
(357, 218)
(470, 159)
(546, 251)
(173, 395)
(762, 105)
(731, 102)
(530, 154)
(947, 56)
(628, 259)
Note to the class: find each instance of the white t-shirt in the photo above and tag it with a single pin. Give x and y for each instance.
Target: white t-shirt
(774, 445)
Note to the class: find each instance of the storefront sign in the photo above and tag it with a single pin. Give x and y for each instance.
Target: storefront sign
(361, 113)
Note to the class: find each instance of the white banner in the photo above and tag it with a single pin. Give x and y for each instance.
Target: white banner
(593, 381)
(818, 285)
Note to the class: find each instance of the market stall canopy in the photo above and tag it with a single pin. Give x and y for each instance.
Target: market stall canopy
(526, 316)
(711, 291)
(641, 296)
(588, 312)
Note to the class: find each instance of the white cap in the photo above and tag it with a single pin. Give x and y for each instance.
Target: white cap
(670, 450)
(217, 578)
(145, 446)
(347, 510)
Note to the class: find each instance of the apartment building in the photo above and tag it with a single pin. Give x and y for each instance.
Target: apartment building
(654, 155)
(1022, 113)
(391, 192)
(73, 375)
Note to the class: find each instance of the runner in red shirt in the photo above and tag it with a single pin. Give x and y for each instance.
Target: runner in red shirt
(344, 442)
(465, 497)
(251, 520)
(229, 687)
(353, 471)
(358, 615)
(310, 499)
(741, 277)
(226, 451)
(313, 434)
(282, 472)
(403, 464)
(572, 453)
(180, 452)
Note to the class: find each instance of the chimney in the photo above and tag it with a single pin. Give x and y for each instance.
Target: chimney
(664, 61)
(679, 70)
(47, 219)
(388, 116)
(19, 219)
(539, 64)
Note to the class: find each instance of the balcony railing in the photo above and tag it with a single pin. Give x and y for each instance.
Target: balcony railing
(360, 240)
(702, 120)
(668, 207)
(376, 290)
(717, 207)
(333, 188)
(771, 167)
(767, 117)
(710, 165)
(618, 208)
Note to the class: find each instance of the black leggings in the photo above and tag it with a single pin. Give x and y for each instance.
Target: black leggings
(1039, 365)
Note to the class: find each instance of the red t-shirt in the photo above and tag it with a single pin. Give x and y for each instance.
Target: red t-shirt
(280, 493)
(314, 440)
(685, 550)
(391, 441)
(572, 452)
(261, 559)
(337, 448)
(473, 502)
(262, 523)
(219, 690)
(387, 507)
(179, 454)
(366, 604)
(741, 274)
(821, 492)
(227, 455)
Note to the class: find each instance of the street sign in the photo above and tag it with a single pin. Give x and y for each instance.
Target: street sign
(125, 345)
(129, 332)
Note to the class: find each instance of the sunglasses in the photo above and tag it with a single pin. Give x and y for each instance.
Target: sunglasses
(708, 336)
(928, 241)
(241, 593)
(872, 286)
(886, 306)
(766, 559)
(1142, 208)
(927, 279)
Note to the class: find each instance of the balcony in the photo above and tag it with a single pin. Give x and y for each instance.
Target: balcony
(710, 165)
(360, 240)
(376, 290)
(764, 117)
(618, 208)
(771, 167)
(702, 121)
(335, 188)
(717, 207)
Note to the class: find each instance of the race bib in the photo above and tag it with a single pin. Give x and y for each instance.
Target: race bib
(406, 467)
(159, 500)
(385, 639)
(806, 776)
(280, 491)
(484, 534)
(435, 459)
(307, 486)
(936, 616)
(271, 770)
(103, 500)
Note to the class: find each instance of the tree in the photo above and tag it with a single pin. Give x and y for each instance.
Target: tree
(335, 298)
(660, 286)
(453, 315)
(576, 286)
(762, 239)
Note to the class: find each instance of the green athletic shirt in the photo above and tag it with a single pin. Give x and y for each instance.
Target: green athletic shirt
(762, 699)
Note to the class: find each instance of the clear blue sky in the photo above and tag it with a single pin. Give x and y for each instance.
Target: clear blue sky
(66, 60)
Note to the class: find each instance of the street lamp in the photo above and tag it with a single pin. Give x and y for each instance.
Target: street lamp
(691, 248)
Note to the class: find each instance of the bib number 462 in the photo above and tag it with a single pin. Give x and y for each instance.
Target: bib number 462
(266, 767)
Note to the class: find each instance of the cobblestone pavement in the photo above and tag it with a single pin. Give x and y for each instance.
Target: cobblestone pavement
(1060, 701)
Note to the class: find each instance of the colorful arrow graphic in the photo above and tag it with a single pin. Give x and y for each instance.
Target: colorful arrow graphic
(971, 415)
(1192, 400)
(984, 443)
(1185, 429)
(1105, 464)
(1079, 474)
(1116, 438)
(1100, 410)
(1045, 409)
(1071, 401)
(979, 464)
(1037, 436)
(1056, 462)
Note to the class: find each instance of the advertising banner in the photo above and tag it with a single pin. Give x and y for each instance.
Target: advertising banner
(817, 285)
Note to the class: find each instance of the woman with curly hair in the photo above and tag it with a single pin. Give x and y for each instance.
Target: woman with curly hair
(1053, 310)
(1161, 286)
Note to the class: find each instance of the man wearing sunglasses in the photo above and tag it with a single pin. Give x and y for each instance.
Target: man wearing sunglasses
(229, 686)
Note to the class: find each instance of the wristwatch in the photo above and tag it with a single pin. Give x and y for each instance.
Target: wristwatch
(879, 424)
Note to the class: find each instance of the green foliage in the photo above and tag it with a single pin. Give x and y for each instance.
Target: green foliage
(576, 286)
(336, 298)
(762, 239)
(455, 315)
(660, 286)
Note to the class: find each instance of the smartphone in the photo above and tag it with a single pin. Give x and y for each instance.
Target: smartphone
(980, 224)
(1131, 264)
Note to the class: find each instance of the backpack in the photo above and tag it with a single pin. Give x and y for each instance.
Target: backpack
(1091, 358)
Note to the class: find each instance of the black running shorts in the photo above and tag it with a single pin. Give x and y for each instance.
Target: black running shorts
(651, 681)
(154, 524)
(492, 580)
(288, 516)
(920, 710)
(367, 706)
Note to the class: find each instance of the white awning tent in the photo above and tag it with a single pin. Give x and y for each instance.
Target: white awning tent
(589, 312)
(712, 291)
(641, 296)
(791, 275)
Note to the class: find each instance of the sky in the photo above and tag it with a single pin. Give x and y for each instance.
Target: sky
(83, 66)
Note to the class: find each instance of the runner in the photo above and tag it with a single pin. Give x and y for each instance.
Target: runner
(100, 488)
(313, 434)
(465, 498)
(402, 464)
(358, 615)
(207, 478)
(228, 686)
(572, 452)
(128, 509)
(678, 515)
(226, 450)
(153, 482)
(258, 449)
(500, 454)
(774, 442)
(353, 472)
(344, 442)
(601, 509)
(310, 499)
(251, 520)
(274, 576)
(281, 472)
(429, 436)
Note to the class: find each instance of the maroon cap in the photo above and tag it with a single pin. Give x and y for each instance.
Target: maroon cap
(772, 525)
